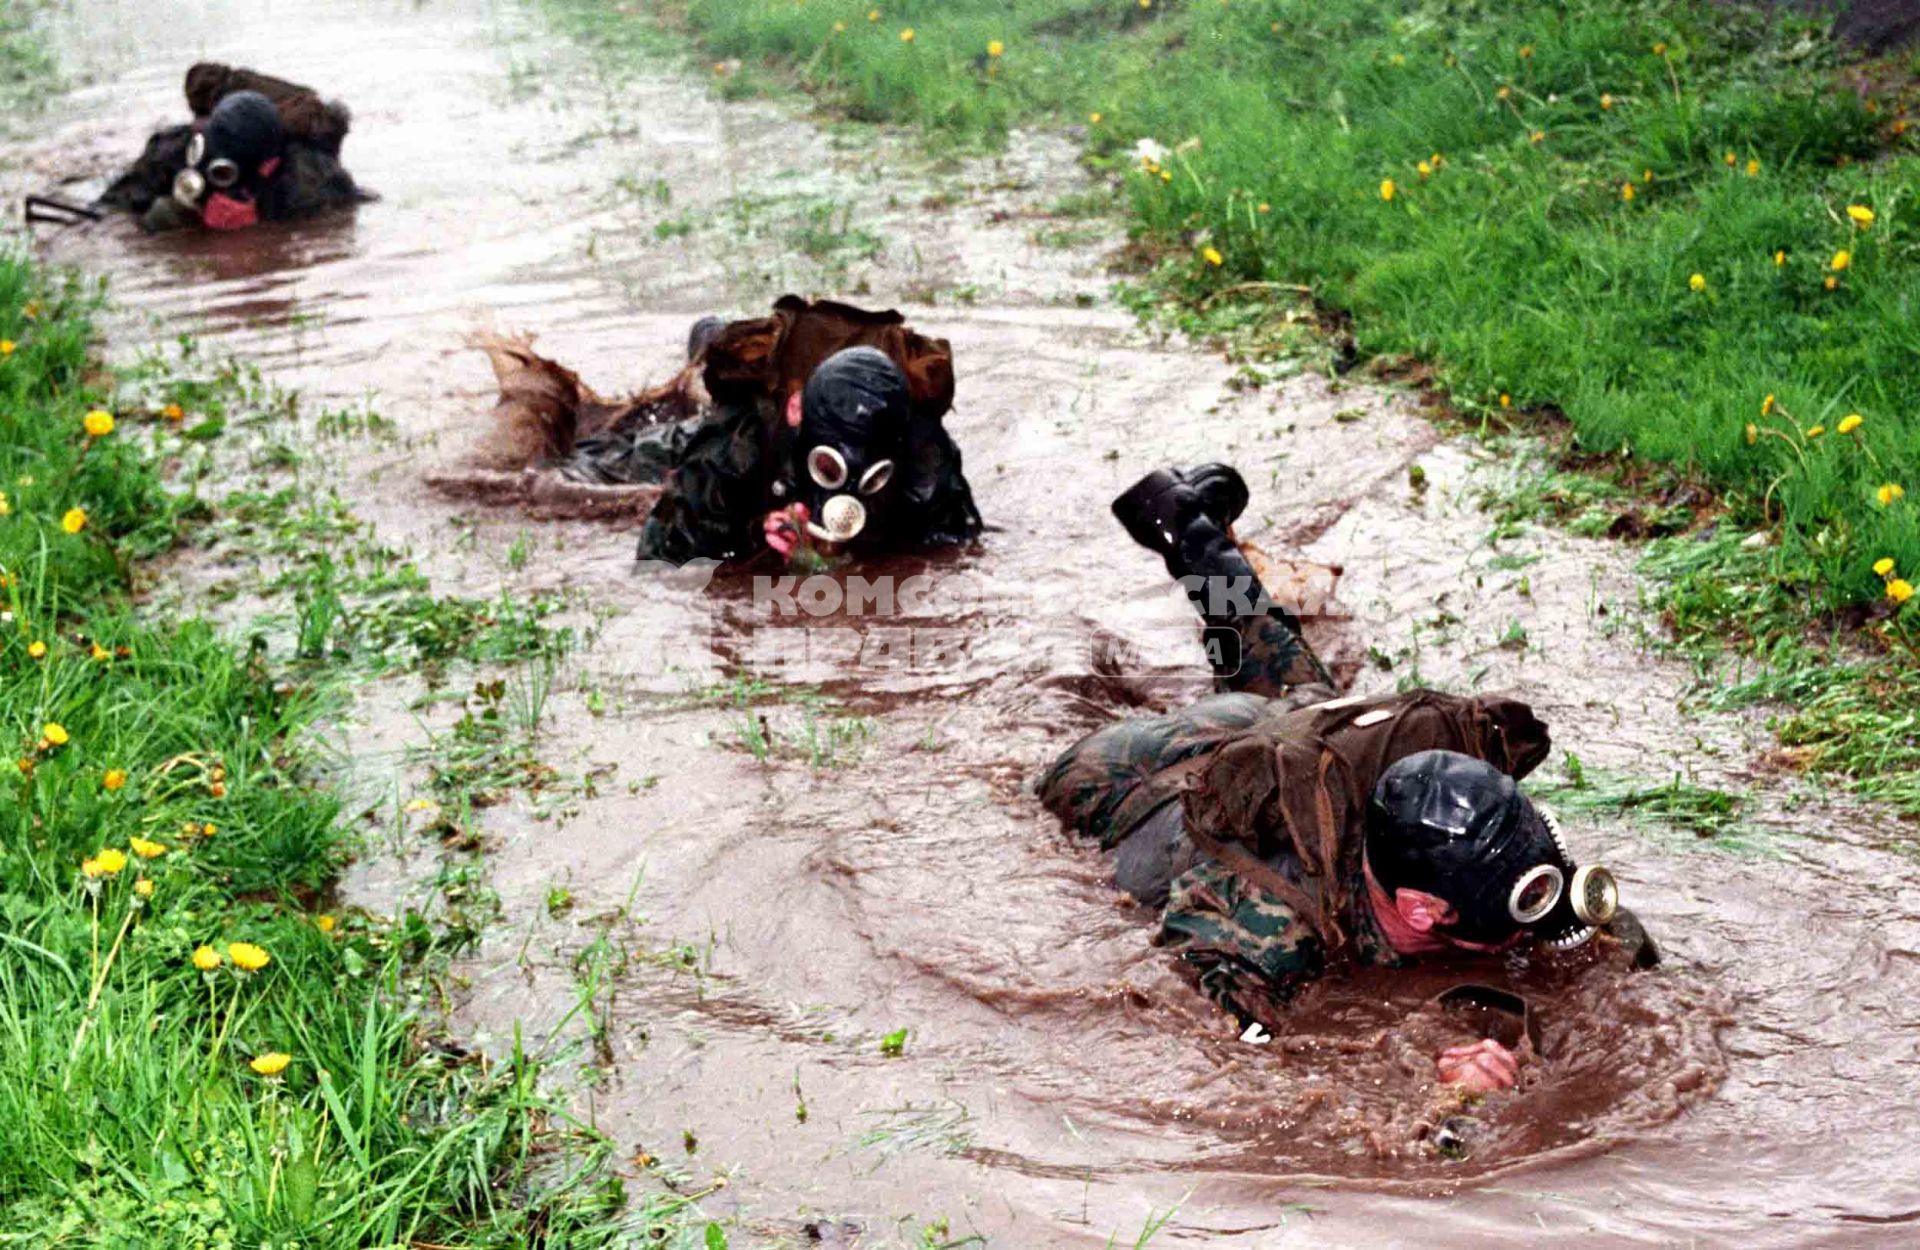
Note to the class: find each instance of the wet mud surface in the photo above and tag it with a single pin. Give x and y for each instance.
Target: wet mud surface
(812, 828)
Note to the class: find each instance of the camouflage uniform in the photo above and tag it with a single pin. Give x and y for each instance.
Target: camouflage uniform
(1277, 787)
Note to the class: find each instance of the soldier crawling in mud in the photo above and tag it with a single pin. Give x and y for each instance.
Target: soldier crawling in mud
(814, 430)
(1285, 831)
(258, 149)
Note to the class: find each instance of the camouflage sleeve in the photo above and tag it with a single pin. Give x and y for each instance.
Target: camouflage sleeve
(1249, 951)
(308, 182)
(1263, 654)
(150, 178)
(941, 502)
(716, 496)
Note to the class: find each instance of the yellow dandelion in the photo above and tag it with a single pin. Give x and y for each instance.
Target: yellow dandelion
(1861, 214)
(145, 849)
(1503, 93)
(1436, 160)
(143, 887)
(206, 958)
(839, 28)
(1831, 283)
(8, 347)
(996, 48)
(1753, 433)
(1697, 282)
(1386, 189)
(906, 36)
(1166, 175)
(1094, 118)
(56, 733)
(74, 521)
(273, 1063)
(1660, 49)
(1265, 207)
(1816, 431)
(1841, 259)
(1626, 192)
(1883, 566)
(324, 923)
(111, 861)
(1424, 168)
(1606, 101)
(1766, 406)
(1730, 159)
(1536, 136)
(174, 412)
(98, 423)
(1889, 493)
(1398, 58)
(1780, 257)
(1753, 169)
(873, 15)
(100, 654)
(6, 508)
(209, 829)
(1526, 51)
(1899, 590)
(1212, 256)
(1849, 423)
(1506, 400)
(115, 778)
(247, 955)
(37, 649)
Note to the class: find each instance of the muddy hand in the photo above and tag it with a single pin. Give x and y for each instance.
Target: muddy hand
(1482, 1067)
(784, 528)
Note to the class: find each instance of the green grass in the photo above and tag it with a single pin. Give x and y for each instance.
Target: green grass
(128, 1101)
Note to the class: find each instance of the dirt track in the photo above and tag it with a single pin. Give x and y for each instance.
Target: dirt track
(883, 867)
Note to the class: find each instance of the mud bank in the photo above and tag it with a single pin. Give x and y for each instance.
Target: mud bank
(809, 831)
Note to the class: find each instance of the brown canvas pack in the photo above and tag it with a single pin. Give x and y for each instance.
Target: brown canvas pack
(305, 115)
(774, 356)
(1299, 782)
(544, 407)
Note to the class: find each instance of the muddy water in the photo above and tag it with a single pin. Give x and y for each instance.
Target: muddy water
(771, 878)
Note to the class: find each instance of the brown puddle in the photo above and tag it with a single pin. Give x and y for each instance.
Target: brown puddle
(884, 867)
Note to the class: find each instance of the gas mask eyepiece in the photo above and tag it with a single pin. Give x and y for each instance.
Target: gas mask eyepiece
(1535, 893)
(827, 467)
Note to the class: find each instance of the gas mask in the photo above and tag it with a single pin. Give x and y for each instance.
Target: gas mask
(1459, 829)
(853, 422)
(237, 149)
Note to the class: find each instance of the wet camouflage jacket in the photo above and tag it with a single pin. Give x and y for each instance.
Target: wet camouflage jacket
(1242, 818)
